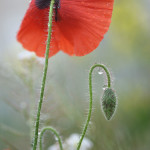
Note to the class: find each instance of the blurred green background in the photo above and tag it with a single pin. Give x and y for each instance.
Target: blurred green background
(125, 50)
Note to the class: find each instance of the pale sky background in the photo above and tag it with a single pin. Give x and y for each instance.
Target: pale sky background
(11, 14)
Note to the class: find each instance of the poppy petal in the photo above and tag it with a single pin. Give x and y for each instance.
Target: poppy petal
(80, 27)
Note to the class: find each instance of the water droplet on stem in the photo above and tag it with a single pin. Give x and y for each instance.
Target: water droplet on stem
(104, 87)
(100, 71)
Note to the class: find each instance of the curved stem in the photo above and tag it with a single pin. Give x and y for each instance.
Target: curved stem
(55, 133)
(91, 99)
(44, 75)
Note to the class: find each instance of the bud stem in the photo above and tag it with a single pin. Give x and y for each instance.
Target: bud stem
(91, 99)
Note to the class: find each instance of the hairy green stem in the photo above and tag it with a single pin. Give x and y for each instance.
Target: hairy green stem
(91, 99)
(54, 132)
(44, 76)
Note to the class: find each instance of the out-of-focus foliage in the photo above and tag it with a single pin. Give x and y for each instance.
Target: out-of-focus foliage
(125, 50)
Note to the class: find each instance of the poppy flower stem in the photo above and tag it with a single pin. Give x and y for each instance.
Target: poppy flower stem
(91, 98)
(54, 132)
(44, 76)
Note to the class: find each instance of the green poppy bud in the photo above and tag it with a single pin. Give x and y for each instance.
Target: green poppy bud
(109, 103)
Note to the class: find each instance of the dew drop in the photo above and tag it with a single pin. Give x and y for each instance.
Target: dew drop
(90, 123)
(100, 71)
(56, 138)
(104, 87)
(39, 133)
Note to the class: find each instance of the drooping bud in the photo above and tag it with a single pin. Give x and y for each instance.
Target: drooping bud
(109, 103)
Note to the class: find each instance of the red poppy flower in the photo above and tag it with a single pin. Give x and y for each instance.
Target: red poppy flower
(77, 29)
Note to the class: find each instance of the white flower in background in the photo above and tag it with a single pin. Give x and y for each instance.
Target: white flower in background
(26, 55)
(54, 147)
(40, 60)
(73, 140)
(71, 143)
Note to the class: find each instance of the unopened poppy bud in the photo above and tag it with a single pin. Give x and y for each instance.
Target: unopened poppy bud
(109, 103)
